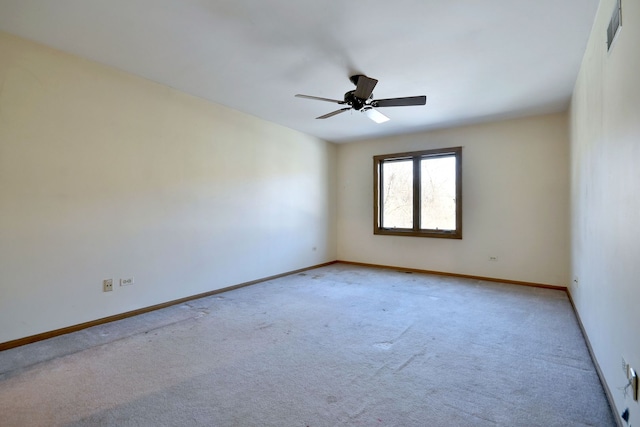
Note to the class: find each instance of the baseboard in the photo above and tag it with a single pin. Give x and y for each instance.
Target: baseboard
(464, 276)
(74, 328)
(605, 386)
(62, 331)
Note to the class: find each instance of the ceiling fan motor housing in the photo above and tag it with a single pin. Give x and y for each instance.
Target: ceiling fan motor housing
(355, 102)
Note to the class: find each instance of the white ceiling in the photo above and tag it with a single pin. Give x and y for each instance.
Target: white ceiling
(475, 60)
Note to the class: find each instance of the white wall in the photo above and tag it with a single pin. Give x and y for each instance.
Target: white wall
(107, 175)
(515, 203)
(605, 168)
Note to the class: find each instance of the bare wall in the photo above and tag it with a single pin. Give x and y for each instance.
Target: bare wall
(107, 175)
(515, 202)
(605, 202)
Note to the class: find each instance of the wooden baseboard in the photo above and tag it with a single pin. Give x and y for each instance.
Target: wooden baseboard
(62, 331)
(464, 276)
(605, 386)
(74, 328)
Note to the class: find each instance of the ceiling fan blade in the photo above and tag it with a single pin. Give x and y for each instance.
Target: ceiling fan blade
(320, 99)
(333, 113)
(400, 102)
(365, 86)
(375, 115)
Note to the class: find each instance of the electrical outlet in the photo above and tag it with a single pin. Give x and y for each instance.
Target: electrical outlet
(127, 282)
(107, 285)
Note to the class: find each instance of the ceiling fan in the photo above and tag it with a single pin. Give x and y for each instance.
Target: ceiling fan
(360, 99)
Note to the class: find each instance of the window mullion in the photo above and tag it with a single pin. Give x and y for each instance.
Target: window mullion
(416, 194)
(380, 193)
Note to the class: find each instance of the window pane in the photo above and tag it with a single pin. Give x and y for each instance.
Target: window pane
(438, 193)
(397, 194)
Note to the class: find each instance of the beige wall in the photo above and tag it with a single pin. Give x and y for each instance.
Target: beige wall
(605, 168)
(515, 202)
(107, 175)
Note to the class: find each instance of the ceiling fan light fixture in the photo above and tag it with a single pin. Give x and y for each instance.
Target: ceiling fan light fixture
(375, 115)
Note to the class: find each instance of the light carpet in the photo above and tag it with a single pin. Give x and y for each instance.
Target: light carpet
(340, 345)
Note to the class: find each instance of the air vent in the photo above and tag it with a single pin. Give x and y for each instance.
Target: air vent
(614, 24)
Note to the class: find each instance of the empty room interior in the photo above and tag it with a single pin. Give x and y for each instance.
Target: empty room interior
(218, 212)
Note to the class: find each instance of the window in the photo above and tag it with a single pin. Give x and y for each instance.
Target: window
(419, 193)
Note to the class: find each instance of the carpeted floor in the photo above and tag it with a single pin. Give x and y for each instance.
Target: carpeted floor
(336, 346)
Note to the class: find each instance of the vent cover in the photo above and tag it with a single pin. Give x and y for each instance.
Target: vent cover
(614, 24)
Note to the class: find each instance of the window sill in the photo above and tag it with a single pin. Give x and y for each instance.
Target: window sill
(413, 233)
